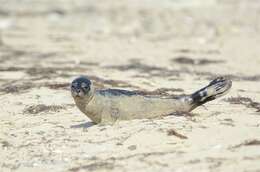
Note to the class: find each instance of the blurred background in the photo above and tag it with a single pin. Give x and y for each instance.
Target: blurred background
(83, 34)
(112, 31)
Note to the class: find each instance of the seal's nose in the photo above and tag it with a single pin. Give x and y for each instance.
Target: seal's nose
(77, 91)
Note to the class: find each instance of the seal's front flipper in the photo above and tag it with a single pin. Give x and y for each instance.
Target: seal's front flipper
(109, 116)
(216, 88)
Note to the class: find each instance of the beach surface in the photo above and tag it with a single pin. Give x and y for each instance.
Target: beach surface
(169, 47)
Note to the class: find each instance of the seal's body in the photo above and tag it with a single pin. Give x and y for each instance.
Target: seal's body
(108, 106)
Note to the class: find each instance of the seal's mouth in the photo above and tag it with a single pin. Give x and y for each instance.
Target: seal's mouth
(76, 96)
(77, 93)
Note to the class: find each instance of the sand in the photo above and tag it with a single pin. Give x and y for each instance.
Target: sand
(165, 47)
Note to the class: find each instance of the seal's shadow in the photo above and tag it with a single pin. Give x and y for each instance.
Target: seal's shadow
(83, 125)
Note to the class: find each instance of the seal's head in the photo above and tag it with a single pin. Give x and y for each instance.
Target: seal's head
(81, 87)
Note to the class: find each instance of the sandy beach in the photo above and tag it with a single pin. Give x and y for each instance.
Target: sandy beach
(169, 47)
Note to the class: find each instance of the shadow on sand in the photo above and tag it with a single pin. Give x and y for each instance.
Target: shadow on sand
(83, 125)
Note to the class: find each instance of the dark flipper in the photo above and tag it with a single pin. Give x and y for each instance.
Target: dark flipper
(216, 88)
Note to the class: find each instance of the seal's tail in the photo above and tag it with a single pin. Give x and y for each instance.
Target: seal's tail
(216, 88)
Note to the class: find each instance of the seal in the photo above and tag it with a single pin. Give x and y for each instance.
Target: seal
(110, 105)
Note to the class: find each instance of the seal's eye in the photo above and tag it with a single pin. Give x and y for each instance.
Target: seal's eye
(85, 87)
(73, 85)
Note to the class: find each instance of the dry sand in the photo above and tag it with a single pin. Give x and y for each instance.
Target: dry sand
(170, 47)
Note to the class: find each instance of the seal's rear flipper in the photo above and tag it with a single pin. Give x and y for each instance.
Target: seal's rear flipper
(216, 88)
